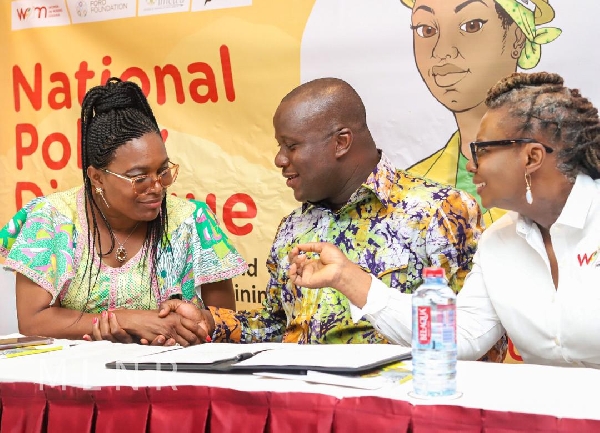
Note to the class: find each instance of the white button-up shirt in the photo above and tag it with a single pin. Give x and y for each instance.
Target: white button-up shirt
(510, 288)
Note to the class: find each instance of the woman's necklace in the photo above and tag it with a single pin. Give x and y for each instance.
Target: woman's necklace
(121, 253)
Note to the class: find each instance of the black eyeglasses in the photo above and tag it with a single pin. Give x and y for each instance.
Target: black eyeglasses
(478, 146)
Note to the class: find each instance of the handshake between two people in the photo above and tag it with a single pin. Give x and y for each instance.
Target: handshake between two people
(175, 322)
(312, 265)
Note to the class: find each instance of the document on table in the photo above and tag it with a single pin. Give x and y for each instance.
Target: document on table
(273, 357)
(29, 350)
(389, 375)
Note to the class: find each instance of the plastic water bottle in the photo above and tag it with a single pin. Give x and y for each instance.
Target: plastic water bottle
(434, 336)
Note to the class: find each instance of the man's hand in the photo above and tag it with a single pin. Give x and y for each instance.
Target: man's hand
(148, 327)
(331, 269)
(324, 271)
(200, 322)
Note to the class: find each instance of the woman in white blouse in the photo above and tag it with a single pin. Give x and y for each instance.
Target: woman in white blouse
(536, 273)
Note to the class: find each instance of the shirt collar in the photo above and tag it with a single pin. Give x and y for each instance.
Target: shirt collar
(576, 208)
(380, 182)
(578, 203)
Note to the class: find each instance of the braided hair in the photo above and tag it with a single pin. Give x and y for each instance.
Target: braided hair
(111, 116)
(541, 103)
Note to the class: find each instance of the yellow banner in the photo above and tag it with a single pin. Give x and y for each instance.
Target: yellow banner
(213, 78)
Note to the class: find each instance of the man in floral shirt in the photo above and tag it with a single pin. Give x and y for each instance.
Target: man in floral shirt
(389, 222)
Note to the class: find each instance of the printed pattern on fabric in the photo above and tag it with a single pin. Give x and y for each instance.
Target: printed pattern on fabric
(393, 225)
(47, 241)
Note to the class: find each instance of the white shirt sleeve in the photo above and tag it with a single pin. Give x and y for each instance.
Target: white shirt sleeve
(478, 326)
(388, 310)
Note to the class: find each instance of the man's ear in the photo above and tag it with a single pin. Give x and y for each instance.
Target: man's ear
(95, 176)
(343, 141)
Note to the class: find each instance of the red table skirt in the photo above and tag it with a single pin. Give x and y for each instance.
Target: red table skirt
(27, 407)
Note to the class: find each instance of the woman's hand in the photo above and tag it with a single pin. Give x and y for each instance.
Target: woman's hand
(107, 328)
(148, 327)
(200, 322)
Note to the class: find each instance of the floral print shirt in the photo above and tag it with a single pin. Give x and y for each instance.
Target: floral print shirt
(393, 226)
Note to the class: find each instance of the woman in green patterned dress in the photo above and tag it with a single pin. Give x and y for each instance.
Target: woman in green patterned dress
(97, 260)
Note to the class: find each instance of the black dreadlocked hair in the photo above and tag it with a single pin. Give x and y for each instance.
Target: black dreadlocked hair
(111, 116)
(542, 103)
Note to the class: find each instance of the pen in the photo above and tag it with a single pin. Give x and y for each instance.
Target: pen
(228, 362)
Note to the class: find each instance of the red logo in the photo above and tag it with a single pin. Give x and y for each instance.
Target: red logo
(23, 14)
(424, 324)
(585, 259)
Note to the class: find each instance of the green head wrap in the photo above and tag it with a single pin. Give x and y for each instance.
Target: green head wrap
(526, 14)
(523, 12)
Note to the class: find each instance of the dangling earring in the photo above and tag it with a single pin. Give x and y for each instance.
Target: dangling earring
(528, 195)
(100, 192)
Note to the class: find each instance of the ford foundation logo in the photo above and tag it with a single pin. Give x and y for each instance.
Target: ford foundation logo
(81, 8)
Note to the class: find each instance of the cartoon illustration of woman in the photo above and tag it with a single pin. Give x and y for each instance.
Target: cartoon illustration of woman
(463, 47)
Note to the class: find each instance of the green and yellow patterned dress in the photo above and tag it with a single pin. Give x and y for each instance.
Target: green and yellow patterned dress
(47, 241)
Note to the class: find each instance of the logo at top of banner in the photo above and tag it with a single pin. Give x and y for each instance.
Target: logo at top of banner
(82, 8)
(85, 11)
(155, 7)
(204, 5)
(27, 14)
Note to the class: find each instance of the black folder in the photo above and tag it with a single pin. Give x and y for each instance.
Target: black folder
(270, 357)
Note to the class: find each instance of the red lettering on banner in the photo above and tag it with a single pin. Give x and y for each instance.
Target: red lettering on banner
(211, 201)
(40, 9)
(164, 134)
(229, 214)
(33, 94)
(65, 90)
(227, 74)
(106, 61)
(175, 75)
(23, 13)
(23, 129)
(22, 150)
(202, 88)
(208, 81)
(82, 76)
(26, 186)
(138, 73)
(66, 151)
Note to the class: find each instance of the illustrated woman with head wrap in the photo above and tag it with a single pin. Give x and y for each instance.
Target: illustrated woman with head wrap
(462, 48)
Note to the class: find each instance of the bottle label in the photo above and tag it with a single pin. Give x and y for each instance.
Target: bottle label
(447, 317)
(424, 324)
(434, 327)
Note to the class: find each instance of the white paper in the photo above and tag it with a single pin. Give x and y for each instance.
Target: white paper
(281, 354)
